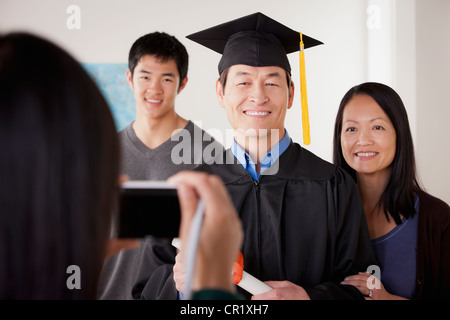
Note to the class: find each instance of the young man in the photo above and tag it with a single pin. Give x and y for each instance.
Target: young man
(158, 65)
(303, 221)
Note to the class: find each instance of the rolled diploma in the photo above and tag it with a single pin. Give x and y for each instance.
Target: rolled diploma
(248, 282)
(252, 284)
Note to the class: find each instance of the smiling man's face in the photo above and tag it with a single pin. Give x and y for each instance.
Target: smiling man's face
(155, 85)
(256, 98)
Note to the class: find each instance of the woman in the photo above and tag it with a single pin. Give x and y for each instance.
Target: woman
(59, 166)
(410, 229)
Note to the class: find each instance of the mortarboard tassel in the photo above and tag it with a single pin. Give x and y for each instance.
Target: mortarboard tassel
(304, 99)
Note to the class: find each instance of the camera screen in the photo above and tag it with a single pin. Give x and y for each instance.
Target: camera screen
(148, 209)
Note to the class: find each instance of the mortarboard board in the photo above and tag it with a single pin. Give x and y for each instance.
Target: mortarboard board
(257, 40)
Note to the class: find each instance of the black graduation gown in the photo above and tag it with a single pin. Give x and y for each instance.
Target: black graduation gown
(303, 222)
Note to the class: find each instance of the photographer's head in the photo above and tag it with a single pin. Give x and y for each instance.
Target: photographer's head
(59, 170)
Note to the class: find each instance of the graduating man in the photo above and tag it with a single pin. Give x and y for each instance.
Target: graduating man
(303, 221)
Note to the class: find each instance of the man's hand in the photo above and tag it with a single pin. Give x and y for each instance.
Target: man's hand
(283, 290)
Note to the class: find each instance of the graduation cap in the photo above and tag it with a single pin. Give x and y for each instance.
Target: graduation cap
(257, 40)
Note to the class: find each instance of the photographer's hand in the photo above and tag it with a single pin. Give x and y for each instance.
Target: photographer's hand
(221, 234)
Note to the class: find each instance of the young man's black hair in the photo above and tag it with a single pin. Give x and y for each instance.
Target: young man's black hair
(164, 47)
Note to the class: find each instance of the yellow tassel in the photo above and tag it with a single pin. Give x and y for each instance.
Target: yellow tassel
(304, 99)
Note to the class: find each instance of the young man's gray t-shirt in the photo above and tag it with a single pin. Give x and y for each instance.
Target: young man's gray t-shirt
(184, 151)
(130, 272)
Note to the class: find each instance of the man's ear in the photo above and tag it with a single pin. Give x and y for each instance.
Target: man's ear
(182, 85)
(130, 79)
(219, 93)
(291, 95)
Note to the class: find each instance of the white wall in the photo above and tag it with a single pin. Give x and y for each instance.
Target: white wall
(433, 87)
(108, 29)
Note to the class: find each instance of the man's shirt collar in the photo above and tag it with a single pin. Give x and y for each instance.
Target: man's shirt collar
(247, 162)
